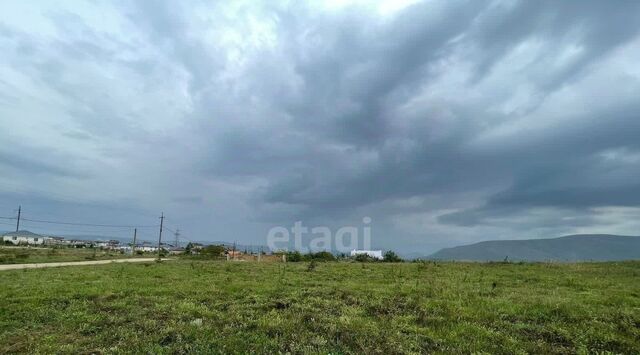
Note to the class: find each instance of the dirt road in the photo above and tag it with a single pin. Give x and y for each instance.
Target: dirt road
(74, 263)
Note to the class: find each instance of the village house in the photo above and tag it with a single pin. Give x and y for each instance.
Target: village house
(57, 241)
(78, 243)
(176, 250)
(149, 247)
(196, 246)
(233, 253)
(127, 249)
(107, 244)
(24, 238)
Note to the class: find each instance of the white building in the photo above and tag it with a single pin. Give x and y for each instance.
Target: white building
(147, 247)
(176, 250)
(376, 254)
(57, 241)
(25, 237)
(77, 243)
(107, 244)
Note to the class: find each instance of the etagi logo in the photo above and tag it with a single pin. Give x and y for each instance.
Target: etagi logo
(318, 238)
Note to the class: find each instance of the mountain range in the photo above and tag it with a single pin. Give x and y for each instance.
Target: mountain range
(580, 247)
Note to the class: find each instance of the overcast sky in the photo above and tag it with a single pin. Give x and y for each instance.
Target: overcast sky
(446, 122)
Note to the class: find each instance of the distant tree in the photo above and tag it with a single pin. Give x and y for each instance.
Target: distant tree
(213, 250)
(391, 257)
(188, 248)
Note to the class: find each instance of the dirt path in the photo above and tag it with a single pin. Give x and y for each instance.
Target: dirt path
(74, 263)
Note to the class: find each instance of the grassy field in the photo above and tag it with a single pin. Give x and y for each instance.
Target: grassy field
(25, 255)
(233, 307)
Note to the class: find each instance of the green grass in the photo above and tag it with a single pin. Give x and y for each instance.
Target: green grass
(25, 255)
(238, 307)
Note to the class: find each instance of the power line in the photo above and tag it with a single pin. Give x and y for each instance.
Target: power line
(143, 237)
(177, 234)
(181, 236)
(171, 230)
(87, 224)
(74, 229)
(185, 238)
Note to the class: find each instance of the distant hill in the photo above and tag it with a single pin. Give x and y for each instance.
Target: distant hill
(581, 247)
(22, 233)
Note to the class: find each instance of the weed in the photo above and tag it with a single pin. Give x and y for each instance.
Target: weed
(312, 266)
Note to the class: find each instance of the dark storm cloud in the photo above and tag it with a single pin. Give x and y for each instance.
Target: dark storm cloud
(591, 163)
(519, 115)
(356, 73)
(596, 26)
(359, 67)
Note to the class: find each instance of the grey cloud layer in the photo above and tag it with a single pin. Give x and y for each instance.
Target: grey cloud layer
(516, 115)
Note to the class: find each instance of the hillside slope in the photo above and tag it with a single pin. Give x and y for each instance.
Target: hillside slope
(582, 247)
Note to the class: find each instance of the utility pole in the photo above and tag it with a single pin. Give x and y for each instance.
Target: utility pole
(177, 234)
(18, 223)
(160, 235)
(234, 251)
(133, 246)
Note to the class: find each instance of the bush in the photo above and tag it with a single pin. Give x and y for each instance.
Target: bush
(163, 253)
(312, 266)
(22, 255)
(7, 259)
(391, 257)
(294, 256)
(322, 256)
(212, 250)
(365, 258)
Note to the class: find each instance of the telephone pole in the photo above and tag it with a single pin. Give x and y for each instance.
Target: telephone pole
(133, 246)
(160, 235)
(18, 223)
(177, 234)
(234, 251)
